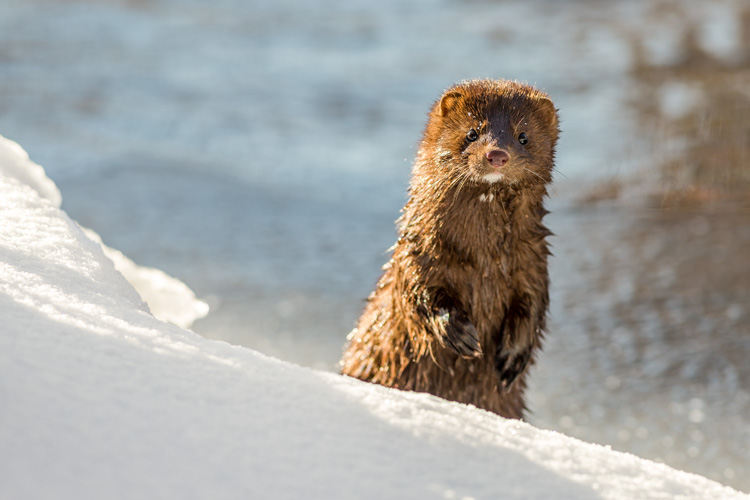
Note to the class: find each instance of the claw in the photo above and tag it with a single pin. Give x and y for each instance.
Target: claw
(459, 334)
(511, 365)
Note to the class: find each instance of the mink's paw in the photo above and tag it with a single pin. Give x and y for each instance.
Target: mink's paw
(458, 334)
(510, 365)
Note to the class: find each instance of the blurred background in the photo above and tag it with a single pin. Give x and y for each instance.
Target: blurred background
(260, 152)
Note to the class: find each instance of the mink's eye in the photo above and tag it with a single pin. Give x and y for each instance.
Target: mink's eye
(472, 135)
(522, 138)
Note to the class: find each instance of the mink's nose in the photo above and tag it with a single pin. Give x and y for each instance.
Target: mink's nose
(498, 157)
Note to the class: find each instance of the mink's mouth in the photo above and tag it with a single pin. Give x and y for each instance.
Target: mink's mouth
(493, 166)
(515, 171)
(493, 177)
(485, 173)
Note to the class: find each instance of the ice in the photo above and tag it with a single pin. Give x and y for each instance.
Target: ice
(102, 400)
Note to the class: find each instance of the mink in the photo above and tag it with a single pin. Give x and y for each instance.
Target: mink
(460, 309)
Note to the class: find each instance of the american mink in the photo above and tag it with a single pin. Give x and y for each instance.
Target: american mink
(460, 309)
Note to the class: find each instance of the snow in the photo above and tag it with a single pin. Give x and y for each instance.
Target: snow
(99, 399)
(15, 162)
(168, 298)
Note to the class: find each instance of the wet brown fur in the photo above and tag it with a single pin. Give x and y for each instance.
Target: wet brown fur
(460, 309)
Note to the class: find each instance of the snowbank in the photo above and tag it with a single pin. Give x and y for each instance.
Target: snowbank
(99, 399)
(168, 298)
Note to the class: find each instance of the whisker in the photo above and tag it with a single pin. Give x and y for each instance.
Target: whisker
(532, 172)
(543, 180)
(464, 178)
(556, 170)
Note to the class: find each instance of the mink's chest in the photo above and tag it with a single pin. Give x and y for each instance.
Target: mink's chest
(490, 251)
(485, 236)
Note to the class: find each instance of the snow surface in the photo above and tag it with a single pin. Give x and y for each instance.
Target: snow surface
(168, 299)
(99, 399)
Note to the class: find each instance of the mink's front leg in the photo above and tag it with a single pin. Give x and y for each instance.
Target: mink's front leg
(519, 335)
(456, 332)
(510, 366)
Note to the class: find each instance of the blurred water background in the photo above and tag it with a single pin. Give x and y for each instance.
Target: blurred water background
(260, 152)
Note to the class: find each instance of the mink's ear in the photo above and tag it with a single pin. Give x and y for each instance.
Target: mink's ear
(547, 112)
(448, 102)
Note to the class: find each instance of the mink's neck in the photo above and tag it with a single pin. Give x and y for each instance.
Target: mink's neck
(474, 217)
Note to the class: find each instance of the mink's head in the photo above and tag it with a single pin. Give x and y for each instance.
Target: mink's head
(493, 131)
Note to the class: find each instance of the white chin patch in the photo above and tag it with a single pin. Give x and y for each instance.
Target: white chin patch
(493, 177)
